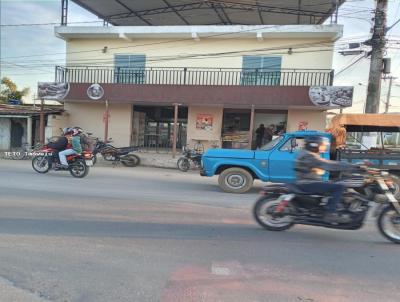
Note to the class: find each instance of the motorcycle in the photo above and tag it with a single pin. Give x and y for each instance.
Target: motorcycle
(281, 206)
(189, 157)
(111, 153)
(47, 158)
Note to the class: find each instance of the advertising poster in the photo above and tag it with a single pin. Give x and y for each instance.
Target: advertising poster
(204, 121)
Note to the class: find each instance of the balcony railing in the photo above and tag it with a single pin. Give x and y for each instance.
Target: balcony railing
(195, 76)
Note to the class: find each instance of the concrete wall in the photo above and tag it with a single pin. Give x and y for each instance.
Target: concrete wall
(316, 119)
(157, 53)
(55, 122)
(89, 116)
(5, 133)
(207, 137)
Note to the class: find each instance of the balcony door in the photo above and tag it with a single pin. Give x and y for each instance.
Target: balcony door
(261, 70)
(129, 69)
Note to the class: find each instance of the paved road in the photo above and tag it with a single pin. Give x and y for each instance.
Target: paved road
(145, 234)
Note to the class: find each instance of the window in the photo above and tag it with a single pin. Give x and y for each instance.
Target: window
(297, 142)
(261, 70)
(270, 145)
(129, 69)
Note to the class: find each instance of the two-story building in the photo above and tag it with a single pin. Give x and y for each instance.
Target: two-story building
(208, 71)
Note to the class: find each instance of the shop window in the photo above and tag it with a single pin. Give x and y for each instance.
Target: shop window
(261, 70)
(129, 69)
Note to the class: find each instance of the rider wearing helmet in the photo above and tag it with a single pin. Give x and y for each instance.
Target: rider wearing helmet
(73, 141)
(310, 167)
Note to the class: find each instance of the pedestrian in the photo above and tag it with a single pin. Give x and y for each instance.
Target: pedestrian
(260, 132)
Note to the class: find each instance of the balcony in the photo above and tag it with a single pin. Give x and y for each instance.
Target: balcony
(194, 76)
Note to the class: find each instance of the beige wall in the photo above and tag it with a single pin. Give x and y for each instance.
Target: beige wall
(157, 54)
(55, 122)
(207, 138)
(316, 119)
(89, 116)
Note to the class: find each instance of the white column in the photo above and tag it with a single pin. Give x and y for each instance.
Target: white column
(29, 131)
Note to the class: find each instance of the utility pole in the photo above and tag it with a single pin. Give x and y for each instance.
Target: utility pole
(378, 44)
(387, 104)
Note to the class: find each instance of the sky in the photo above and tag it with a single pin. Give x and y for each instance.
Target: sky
(19, 44)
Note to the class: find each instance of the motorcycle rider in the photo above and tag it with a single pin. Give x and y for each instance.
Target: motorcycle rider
(310, 167)
(74, 142)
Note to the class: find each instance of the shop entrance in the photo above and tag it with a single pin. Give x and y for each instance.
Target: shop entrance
(236, 127)
(153, 126)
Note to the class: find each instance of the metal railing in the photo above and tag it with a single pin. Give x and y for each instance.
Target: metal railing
(195, 76)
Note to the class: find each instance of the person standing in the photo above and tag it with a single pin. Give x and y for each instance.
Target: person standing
(260, 132)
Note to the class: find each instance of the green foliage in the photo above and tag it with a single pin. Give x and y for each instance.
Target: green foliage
(9, 91)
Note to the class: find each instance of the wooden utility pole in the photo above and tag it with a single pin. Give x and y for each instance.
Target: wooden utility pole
(41, 122)
(378, 45)
(105, 119)
(251, 128)
(175, 135)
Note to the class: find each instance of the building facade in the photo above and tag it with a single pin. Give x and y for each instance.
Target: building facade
(166, 86)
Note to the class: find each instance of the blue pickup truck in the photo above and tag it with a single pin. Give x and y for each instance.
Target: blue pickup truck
(274, 162)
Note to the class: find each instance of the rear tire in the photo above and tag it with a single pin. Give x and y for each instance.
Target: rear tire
(235, 180)
(262, 210)
(183, 164)
(78, 169)
(41, 164)
(130, 160)
(389, 213)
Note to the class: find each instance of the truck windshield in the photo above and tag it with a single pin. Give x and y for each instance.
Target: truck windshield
(270, 145)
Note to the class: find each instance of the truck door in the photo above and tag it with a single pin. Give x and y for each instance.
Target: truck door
(282, 159)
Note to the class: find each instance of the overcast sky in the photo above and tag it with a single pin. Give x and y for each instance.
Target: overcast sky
(29, 41)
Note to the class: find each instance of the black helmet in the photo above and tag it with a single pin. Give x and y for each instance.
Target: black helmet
(312, 143)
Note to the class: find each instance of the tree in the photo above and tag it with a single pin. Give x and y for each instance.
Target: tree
(9, 91)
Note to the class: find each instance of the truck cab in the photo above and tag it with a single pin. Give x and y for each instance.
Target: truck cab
(237, 169)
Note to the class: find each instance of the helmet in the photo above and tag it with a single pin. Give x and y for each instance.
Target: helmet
(312, 143)
(67, 130)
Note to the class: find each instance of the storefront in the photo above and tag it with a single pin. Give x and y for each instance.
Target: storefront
(167, 117)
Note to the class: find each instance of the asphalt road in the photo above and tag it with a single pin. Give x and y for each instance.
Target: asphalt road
(145, 234)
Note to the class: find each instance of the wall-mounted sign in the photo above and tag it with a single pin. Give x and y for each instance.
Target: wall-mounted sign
(303, 125)
(204, 121)
(95, 92)
(331, 96)
(52, 91)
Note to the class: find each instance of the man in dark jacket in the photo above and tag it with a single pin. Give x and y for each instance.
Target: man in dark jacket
(260, 132)
(310, 168)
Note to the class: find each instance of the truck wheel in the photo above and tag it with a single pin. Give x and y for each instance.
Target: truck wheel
(235, 180)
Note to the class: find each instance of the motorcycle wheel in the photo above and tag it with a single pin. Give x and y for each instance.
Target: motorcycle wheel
(130, 160)
(41, 164)
(78, 169)
(262, 212)
(183, 164)
(389, 224)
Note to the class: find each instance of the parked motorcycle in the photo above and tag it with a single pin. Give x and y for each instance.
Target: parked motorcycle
(111, 153)
(47, 159)
(281, 206)
(190, 157)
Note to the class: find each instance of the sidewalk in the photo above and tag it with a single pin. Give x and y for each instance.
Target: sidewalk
(147, 159)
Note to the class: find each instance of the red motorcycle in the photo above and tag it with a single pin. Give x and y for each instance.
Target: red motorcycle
(47, 158)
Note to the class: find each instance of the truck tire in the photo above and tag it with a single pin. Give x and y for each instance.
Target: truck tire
(235, 180)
